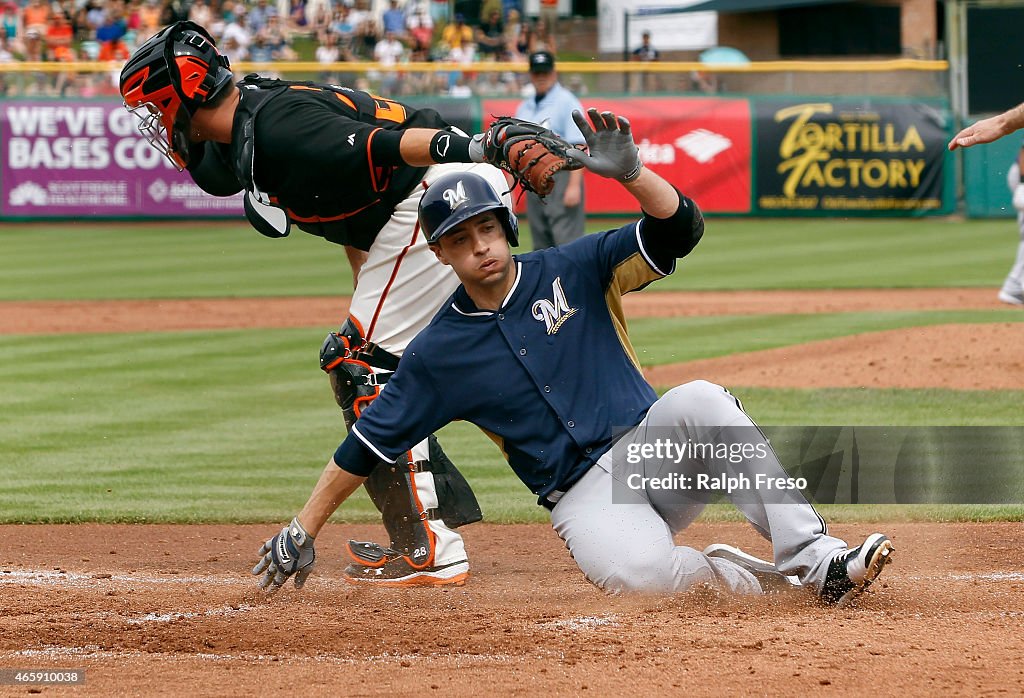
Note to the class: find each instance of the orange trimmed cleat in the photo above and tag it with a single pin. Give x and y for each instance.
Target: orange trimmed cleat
(386, 567)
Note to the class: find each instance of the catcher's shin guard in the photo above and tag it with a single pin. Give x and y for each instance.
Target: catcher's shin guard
(421, 498)
(421, 501)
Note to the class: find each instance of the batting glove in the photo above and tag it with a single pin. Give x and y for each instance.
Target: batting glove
(289, 552)
(613, 154)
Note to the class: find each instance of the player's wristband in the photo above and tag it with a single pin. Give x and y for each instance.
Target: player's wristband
(446, 146)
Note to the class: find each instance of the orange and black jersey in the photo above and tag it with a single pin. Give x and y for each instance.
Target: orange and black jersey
(329, 156)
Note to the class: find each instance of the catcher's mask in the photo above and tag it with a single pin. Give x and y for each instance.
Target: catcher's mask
(168, 78)
(457, 197)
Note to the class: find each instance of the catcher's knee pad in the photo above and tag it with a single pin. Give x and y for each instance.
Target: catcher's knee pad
(395, 489)
(356, 369)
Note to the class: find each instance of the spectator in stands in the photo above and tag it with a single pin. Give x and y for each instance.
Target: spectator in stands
(279, 37)
(646, 53)
(388, 52)
(256, 20)
(394, 21)
(576, 85)
(458, 40)
(367, 31)
(460, 89)
(260, 51)
(95, 16)
(10, 20)
(111, 34)
(131, 15)
(237, 27)
(341, 25)
(421, 33)
(490, 37)
(491, 84)
(513, 22)
(318, 16)
(59, 36)
(174, 11)
(296, 17)
(547, 25)
(200, 13)
(329, 51)
(234, 50)
(526, 41)
(34, 50)
(150, 14)
(6, 55)
(36, 15)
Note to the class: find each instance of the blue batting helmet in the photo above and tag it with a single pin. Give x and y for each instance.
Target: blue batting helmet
(457, 197)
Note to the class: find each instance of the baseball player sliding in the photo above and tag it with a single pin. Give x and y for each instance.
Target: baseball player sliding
(533, 350)
(349, 167)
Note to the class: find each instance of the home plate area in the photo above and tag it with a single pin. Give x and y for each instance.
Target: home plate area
(173, 610)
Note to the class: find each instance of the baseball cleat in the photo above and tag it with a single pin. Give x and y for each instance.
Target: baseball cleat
(771, 580)
(1012, 298)
(851, 572)
(387, 567)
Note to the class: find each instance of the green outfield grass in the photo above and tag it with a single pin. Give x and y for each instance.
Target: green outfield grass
(236, 426)
(181, 260)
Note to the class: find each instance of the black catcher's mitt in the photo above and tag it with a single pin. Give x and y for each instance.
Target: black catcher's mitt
(531, 153)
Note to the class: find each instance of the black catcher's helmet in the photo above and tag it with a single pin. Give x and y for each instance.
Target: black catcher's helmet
(168, 78)
(457, 197)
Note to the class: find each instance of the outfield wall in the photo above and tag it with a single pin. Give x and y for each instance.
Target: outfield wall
(774, 156)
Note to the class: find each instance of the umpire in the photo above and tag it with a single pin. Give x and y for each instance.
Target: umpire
(559, 218)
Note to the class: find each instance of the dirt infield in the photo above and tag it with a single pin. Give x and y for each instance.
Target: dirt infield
(47, 317)
(170, 610)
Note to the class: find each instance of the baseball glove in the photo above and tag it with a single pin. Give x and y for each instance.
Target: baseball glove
(529, 152)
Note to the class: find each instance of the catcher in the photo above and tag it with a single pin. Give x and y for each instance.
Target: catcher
(349, 167)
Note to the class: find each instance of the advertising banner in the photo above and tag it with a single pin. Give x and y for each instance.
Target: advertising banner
(86, 158)
(857, 157)
(700, 144)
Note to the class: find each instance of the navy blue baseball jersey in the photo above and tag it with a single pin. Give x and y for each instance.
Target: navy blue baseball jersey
(550, 376)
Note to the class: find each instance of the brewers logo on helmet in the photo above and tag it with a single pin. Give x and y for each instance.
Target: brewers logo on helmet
(457, 197)
(167, 79)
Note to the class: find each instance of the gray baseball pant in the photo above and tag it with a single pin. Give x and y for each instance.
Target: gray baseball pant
(622, 537)
(551, 223)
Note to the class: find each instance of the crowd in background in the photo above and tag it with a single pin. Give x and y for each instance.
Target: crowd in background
(271, 31)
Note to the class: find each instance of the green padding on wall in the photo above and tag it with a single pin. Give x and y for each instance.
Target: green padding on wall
(463, 113)
(985, 192)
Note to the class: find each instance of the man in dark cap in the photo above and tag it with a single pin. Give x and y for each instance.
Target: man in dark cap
(559, 218)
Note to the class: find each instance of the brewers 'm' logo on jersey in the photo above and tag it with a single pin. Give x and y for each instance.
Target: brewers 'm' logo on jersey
(555, 312)
(455, 197)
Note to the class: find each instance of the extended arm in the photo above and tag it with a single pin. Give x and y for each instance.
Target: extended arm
(990, 129)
